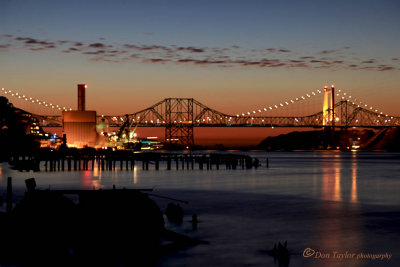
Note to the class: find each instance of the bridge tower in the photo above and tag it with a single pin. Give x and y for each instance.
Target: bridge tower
(328, 115)
(328, 109)
(179, 119)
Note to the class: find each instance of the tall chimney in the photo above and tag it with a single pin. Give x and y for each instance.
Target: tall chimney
(81, 97)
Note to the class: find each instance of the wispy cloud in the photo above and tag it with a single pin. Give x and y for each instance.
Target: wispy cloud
(226, 57)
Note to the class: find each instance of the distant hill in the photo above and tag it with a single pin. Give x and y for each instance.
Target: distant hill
(294, 141)
(367, 139)
(389, 141)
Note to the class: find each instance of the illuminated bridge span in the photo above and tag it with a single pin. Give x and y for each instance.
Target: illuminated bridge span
(180, 115)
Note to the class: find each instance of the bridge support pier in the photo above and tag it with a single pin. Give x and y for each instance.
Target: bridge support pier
(179, 135)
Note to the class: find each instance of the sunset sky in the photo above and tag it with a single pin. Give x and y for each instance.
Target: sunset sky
(233, 56)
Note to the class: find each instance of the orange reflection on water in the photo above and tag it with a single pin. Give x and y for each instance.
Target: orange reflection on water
(335, 229)
(95, 171)
(353, 192)
(337, 192)
(135, 175)
(96, 184)
(331, 188)
(87, 178)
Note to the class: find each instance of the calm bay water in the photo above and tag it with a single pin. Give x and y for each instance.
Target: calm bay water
(330, 202)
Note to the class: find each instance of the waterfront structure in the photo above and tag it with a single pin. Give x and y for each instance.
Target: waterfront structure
(79, 126)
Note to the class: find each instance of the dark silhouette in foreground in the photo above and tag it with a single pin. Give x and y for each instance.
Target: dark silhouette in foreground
(106, 228)
(281, 254)
(174, 213)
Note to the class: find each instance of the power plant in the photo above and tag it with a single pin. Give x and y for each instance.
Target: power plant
(79, 126)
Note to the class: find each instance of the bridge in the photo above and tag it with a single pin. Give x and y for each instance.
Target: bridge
(179, 116)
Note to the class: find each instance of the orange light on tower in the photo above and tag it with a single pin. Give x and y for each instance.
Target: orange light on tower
(328, 107)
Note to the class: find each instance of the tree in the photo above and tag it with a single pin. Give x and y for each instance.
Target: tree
(13, 137)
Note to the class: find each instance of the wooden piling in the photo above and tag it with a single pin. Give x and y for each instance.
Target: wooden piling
(169, 163)
(9, 195)
(69, 164)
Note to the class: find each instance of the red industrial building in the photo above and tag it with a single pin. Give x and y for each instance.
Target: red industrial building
(79, 126)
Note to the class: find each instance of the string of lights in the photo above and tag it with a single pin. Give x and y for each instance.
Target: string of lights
(281, 104)
(347, 97)
(340, 93)
(343, 95)
(33, 100)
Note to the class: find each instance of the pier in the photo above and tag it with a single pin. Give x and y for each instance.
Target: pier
(104, 160)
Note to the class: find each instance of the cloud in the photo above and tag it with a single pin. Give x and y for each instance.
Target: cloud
(35, 44)
(385, 68)
(275, 50)
(226, 57)
(325, 52)
(371, 61)
(97, 45)
(31, 41)
(155, 60)
(191, 49)
(98, 52)
(320, 61)
(332, 51)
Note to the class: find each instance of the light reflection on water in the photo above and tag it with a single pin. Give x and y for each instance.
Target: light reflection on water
(354, 196)
(352, 177)
(311, 199)
(332, 231)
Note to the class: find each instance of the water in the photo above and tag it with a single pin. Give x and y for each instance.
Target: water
(330, 202)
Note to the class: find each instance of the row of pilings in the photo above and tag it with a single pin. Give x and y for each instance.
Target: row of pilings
(126, 160)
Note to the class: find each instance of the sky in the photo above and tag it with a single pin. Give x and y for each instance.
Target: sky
(232, 56)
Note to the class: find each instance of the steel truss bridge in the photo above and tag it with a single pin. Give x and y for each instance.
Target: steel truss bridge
(179, 116)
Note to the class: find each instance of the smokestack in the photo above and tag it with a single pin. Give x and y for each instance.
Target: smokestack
(81, 97)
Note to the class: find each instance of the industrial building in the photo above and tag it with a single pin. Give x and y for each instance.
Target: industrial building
(79, 126)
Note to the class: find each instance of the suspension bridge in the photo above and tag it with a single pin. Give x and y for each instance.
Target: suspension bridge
(179, 116)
